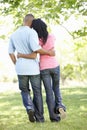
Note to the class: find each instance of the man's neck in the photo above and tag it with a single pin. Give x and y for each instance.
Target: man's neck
(25, 24)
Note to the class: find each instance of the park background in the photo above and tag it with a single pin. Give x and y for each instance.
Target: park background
(67, 20)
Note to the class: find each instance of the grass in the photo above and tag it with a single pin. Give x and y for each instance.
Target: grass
(13, 115)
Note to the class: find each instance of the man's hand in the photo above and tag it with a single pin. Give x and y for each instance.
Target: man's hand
(13, 58)
(51, 52)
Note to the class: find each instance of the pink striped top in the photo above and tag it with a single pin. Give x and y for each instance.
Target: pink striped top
(46, 61)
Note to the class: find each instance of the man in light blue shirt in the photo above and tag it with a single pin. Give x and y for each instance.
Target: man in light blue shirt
(25, 40)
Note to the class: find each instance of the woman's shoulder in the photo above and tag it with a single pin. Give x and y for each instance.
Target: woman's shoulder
(51, 35)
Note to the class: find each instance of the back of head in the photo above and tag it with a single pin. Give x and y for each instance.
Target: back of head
(28, 20)
(41, 29)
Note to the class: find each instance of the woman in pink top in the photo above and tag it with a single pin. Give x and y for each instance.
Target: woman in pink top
(50, 72)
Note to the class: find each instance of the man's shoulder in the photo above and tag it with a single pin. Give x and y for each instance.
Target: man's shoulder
(14, 32)
(21, 29)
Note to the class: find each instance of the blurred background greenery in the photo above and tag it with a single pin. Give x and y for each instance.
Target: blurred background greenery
(66, 19)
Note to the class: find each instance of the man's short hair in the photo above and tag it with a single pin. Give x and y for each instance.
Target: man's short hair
(27, 17)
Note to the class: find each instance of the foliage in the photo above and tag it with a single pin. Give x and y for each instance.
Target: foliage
(78, 68)
(57, 11)
(80, 50)
(80, 33)
(67, 72)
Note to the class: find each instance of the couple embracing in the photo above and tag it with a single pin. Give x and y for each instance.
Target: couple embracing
(29, 40)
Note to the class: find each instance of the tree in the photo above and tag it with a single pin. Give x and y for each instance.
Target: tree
(57, 11)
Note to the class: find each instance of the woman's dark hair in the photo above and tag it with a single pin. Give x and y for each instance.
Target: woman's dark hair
(41, 29)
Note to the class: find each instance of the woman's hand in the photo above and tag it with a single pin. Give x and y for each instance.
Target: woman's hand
(33, 55)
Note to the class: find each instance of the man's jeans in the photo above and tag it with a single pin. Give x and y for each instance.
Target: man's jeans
(51, 79)
(37, 104)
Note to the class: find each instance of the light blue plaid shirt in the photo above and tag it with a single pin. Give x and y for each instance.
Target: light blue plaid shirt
(25, 40)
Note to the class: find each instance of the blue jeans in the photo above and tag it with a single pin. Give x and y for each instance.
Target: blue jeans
(51, 79)
(37, 103)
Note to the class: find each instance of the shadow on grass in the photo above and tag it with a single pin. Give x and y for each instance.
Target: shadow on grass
(14, 117)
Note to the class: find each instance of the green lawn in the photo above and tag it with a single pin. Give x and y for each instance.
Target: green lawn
(14, 117)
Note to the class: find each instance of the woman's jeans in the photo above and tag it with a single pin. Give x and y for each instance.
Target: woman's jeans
(51, 79)
(37, 104)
